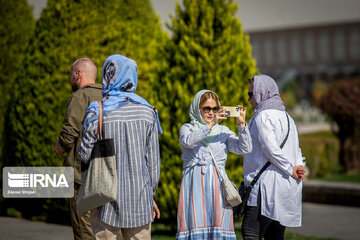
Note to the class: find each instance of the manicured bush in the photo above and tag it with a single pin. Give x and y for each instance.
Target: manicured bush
(16, 28)
(67, 30)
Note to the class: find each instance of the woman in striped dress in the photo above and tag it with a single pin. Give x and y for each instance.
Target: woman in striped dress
(203, 212)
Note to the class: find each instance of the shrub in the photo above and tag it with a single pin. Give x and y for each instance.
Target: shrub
(341, 102)
(67, 30)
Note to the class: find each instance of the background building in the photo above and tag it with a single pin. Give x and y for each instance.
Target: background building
(322, 52)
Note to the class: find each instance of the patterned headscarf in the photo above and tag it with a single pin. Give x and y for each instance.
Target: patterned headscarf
(197, 120)
(119, 79)
(266, 95)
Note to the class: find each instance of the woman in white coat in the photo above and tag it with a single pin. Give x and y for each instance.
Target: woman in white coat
(275, 200)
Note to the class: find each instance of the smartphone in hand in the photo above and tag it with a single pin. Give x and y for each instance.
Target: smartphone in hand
(231, 111)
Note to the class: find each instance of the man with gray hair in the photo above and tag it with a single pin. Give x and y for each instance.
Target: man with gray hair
(82, 79)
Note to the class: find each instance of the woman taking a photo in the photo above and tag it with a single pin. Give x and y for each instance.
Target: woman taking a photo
(203, 212)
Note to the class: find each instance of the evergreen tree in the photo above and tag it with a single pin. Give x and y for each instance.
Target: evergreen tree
(16, 27)
(207, 50)
(67, 30)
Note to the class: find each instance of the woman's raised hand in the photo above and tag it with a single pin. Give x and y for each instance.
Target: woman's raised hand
(241, 119)
(218, 117)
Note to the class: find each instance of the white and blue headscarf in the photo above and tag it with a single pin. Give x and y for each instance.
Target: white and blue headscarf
(119, 80)
(196, 118)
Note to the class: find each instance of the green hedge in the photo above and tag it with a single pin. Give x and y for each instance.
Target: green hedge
(66, 30)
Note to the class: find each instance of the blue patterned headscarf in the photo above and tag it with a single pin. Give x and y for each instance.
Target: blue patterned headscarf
(119, 80)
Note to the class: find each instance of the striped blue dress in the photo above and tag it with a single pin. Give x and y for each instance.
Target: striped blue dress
(203, 212)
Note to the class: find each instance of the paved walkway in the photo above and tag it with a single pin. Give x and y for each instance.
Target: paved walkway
(19, 229)
(320, 220)
(332, 221)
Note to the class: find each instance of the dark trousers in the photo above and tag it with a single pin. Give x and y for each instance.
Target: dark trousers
(255, 226)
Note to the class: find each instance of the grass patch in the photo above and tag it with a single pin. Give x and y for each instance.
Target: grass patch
(295, 236)
(163, 232)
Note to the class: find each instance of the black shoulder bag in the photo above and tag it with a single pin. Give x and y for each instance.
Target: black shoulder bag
(244, 191)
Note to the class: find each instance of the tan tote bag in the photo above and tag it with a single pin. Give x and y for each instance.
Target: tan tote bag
(98, 177)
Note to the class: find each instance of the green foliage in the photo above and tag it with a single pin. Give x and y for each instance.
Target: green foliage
(12, 212)
(68, 30)
(322, 154)
(291, 86)
(289, 99)
(318, 90)
(289, 94)
(207, 50)
(341, 102)
(16, 27)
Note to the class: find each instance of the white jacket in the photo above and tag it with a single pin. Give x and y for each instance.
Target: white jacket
(280, 193)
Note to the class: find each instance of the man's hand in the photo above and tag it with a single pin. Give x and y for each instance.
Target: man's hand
(299, 172)
(58, 148)
(156, 211)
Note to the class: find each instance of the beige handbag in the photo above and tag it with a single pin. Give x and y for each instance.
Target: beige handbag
(98, 177)
(231, 193)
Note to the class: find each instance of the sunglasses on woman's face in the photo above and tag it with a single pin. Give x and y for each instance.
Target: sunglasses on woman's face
(207, 109)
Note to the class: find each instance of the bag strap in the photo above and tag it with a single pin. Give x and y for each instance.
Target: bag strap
(268, 162)
(215, 163)
(100, 121)
(287, 135)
